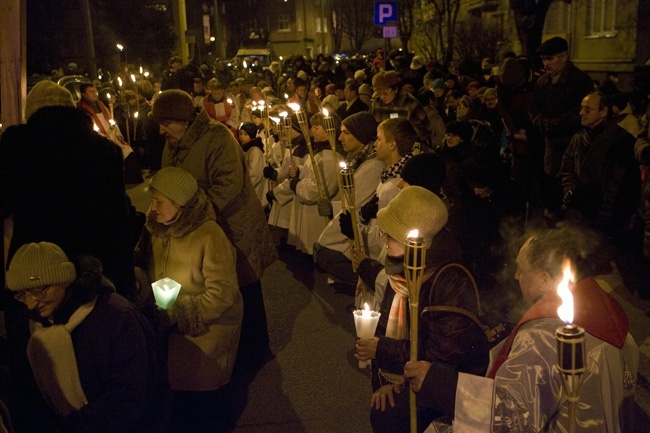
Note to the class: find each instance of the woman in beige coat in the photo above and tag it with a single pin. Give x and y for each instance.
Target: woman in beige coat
(188, 246)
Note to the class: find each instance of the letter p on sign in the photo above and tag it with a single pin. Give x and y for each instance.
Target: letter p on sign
(385, 12)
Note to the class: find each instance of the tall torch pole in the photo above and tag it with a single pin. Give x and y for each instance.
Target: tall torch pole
(414, 264)
(302, 121)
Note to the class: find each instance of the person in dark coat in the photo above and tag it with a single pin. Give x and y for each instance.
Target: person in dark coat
(601, 179)
(451, 339)
(556, 103)
(85, 359)
(64, 183)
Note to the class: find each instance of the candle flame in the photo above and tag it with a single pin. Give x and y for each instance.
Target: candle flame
(325, 112)
(146, 74)
(284, 114)
(261, 103)
(276, 119)
(254, 103)
(112, 122)
(286, 96)
(119, 81)
(295, 107)
(140, 69)
(366, 307)
(95, 127)
(120, 47)
(135, 114)
(229, 100)
(565, 311)
(413, 233)
(133, 78)
(108, 95)
(343, 165)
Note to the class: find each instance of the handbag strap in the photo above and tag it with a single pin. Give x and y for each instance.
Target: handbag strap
(490, 333)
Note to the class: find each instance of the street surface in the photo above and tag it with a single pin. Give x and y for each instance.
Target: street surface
(314, 384)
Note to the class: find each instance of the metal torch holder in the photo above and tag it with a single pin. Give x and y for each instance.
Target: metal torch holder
(571, 364)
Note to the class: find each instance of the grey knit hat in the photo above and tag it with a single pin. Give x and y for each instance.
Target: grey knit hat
(47, 94)
(362, 126)
(38, 265)
(176, 184)
(173, 104)
(413, 208)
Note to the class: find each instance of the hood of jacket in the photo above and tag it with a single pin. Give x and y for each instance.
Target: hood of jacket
(196, 212)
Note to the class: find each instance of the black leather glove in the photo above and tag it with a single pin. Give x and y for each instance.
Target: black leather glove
(270, 173)
(270, 197)
(345, 222)
(369, 210)
(324, 207)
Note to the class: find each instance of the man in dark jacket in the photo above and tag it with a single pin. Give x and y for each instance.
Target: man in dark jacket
(600, 177)
(556, 103)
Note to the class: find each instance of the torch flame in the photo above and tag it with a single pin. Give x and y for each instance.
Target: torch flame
(325, 112)
(343, 165)
(413, 234)
(284, 114)
(565, 311)
(294, 106)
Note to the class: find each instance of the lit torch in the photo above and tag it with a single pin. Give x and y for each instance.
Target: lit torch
(570, 346)
(414, 264)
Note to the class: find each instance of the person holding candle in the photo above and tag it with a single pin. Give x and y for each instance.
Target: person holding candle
(83, 359)
(358, 133)
(188, 246)
(523, 390)
(448, 338)
(206, 149)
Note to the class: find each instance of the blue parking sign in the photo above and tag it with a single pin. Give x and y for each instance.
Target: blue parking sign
(385, 12)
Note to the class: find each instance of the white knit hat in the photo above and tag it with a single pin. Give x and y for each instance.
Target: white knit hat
(38, 265)
(176, 184)
(413, 208)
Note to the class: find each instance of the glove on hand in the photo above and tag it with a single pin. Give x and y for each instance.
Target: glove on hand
(270, 173)
(324, 207)
(345, 222)
(369, 210)
(270, 197)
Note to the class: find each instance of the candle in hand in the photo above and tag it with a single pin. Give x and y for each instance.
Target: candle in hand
(165, 291)
(365, 322)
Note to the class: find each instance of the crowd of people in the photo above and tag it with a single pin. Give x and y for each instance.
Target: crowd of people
(342, 164)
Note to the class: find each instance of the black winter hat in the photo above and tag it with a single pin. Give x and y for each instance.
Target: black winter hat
(553, 46)
(426, 170)
(362, 126)
(250, 128)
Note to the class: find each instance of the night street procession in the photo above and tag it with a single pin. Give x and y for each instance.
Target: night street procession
(324, 217)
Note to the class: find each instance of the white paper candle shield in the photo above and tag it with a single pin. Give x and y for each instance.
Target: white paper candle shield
(365, 322)
(165, 291)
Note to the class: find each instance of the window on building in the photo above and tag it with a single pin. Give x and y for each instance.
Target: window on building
(299, 24)
(318, 29)
(497, 23)
(324, 23)
(602, 17)
(284, 23)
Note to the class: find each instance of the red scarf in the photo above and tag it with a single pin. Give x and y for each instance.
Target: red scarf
(595, 310)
